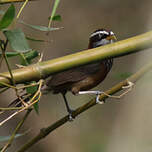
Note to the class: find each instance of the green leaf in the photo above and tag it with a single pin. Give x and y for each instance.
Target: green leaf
(35, 40)
(40, 28)
(36, 107)
(31, 55)
(10, 54)
(28, 55)
(7, 17)
(32, 90)
(56, 3)
(56, 18)
(17, 40)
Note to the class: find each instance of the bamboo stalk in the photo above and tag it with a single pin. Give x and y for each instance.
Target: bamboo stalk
(11, 1)
(44, 69)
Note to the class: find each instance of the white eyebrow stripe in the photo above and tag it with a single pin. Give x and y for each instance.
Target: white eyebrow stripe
(99, 32)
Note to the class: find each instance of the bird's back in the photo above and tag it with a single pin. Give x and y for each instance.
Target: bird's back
(62, 82)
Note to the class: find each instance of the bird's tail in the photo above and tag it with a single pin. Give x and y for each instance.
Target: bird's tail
(17, 102)
(26, 97)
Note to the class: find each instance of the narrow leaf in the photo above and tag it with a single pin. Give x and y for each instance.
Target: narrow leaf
(17, 40)
(7, 17)
(6, 138)
(32, 90)
(31, 55)
(36, 107)
(28, 55)
(40, 28)
(56, 3)
(10, 54)
(34, 40)
(56, 18)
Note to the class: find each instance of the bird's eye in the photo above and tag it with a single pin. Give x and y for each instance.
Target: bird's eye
(98, 37)
(104, 36)
(101, 36)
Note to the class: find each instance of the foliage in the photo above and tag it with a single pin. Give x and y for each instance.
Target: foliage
(18, 42)
(18, 39)
(7, 18)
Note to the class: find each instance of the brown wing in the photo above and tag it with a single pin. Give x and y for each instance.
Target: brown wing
(73, 75)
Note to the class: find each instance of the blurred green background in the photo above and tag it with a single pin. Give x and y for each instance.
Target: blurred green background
(119, 125)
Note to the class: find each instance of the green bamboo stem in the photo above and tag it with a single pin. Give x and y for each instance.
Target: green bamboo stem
(46, 131)
(11, 1)
(44, 69)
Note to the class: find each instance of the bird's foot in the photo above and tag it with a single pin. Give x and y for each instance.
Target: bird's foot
(97, 93)
(71, 118)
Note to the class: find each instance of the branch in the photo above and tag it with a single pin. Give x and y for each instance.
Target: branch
(44, 69)
(46, 131)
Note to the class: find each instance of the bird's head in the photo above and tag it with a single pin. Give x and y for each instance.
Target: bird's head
(101, 37)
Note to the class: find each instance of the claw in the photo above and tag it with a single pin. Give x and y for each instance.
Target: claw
(130, 85)
(98, 93)
(98, 101)
(70, 118)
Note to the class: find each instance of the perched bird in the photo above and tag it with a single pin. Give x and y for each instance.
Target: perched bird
(80, 79)
(85, 77)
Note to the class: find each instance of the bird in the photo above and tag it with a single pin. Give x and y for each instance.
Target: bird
(83, 78)
(78, 80)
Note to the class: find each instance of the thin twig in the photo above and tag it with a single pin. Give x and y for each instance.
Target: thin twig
(10, 108)
(1, 60)
(3, 90)
(13, 1)
(20, 124)
(7, 85)
(21, 9)
(3, 48)
(32, 101)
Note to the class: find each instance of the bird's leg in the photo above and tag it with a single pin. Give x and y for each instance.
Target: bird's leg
(68, 107)
(97, 93)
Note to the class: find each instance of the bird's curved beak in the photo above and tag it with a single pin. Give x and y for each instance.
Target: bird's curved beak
(112, 37)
